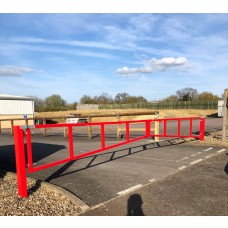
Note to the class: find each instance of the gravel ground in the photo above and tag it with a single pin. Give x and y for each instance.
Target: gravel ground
(48, 203)
(40, 202)
(214, 138)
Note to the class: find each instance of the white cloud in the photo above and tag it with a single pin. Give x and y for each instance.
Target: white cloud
(131, 71)
(4, 48)
(153, 65)
(14, 71)
(143, 22)
(168, 62)
(87, 44)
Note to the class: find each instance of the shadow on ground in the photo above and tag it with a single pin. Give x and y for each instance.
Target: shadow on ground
(134, 205)
(114, 155)
(213, 115)
(40, 151)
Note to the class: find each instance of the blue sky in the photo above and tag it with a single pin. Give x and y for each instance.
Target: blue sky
(152, 55)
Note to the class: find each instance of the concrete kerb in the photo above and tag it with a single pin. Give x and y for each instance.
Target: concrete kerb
(56, 189)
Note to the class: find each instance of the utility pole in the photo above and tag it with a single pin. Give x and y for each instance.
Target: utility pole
(224, 125)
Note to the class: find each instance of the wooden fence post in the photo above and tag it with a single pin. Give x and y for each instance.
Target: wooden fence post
(156, 131)
(65, 129)
(44, 129)
(118, 133)
(156, 127)
(11, 121)
(224, 125)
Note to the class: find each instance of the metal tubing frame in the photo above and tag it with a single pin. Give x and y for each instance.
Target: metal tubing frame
(20, 152)
(20, 162)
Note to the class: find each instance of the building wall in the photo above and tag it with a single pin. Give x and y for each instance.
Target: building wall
(7, 124)
(16, 107)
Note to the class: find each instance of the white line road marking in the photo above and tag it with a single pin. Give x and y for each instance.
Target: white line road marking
(182, 159)
(157, 159)
(196, 161)
(208, 149)
(182, 167)
(219, 151)
(152, 180)
(130, 189)
(209, 156)
(196, 154)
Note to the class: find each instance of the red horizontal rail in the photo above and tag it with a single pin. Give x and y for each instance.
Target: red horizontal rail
(34, 169)
(112, 122)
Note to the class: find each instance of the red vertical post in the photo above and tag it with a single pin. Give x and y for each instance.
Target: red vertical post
(102, 136)
(202, 128)
(179, 127)
(165, 127)
(127, 132)
(148, 128)
(70, 139)
(29, 150)
(20, 162)
(190, 128)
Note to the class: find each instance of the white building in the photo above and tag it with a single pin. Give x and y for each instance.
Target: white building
(15, 107)
(220, 108)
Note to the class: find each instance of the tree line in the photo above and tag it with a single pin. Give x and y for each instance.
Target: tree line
(105, 98)
(56, 103)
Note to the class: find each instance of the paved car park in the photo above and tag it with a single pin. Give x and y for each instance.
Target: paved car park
(110, 174)
(199, 190)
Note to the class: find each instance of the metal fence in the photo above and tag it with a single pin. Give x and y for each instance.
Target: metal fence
(165, 105)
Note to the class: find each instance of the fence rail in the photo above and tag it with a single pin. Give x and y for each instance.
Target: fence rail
(62, 119)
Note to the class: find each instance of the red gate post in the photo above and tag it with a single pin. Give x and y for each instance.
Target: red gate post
(102, 136)
(71, 143)
(179, 127)
(148, 128)
(190, 127)
(202, 128)
(20, 162)
(127, 132)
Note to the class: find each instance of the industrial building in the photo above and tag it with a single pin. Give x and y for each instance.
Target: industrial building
(15, 107)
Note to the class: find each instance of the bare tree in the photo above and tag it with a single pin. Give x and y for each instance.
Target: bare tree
(38, 103)
(85, 99)
(104, 98)
(121, 98)
(187, 94)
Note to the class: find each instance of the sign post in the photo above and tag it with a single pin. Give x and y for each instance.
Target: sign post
(224, 125)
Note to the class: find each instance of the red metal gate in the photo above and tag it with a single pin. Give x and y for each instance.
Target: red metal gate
(21, 133)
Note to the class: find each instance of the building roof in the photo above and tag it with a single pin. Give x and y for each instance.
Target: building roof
(13, 97)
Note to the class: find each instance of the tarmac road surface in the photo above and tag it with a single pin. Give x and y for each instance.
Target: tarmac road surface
(113, 173)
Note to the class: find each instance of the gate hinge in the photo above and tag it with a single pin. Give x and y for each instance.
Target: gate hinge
(24, 128)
